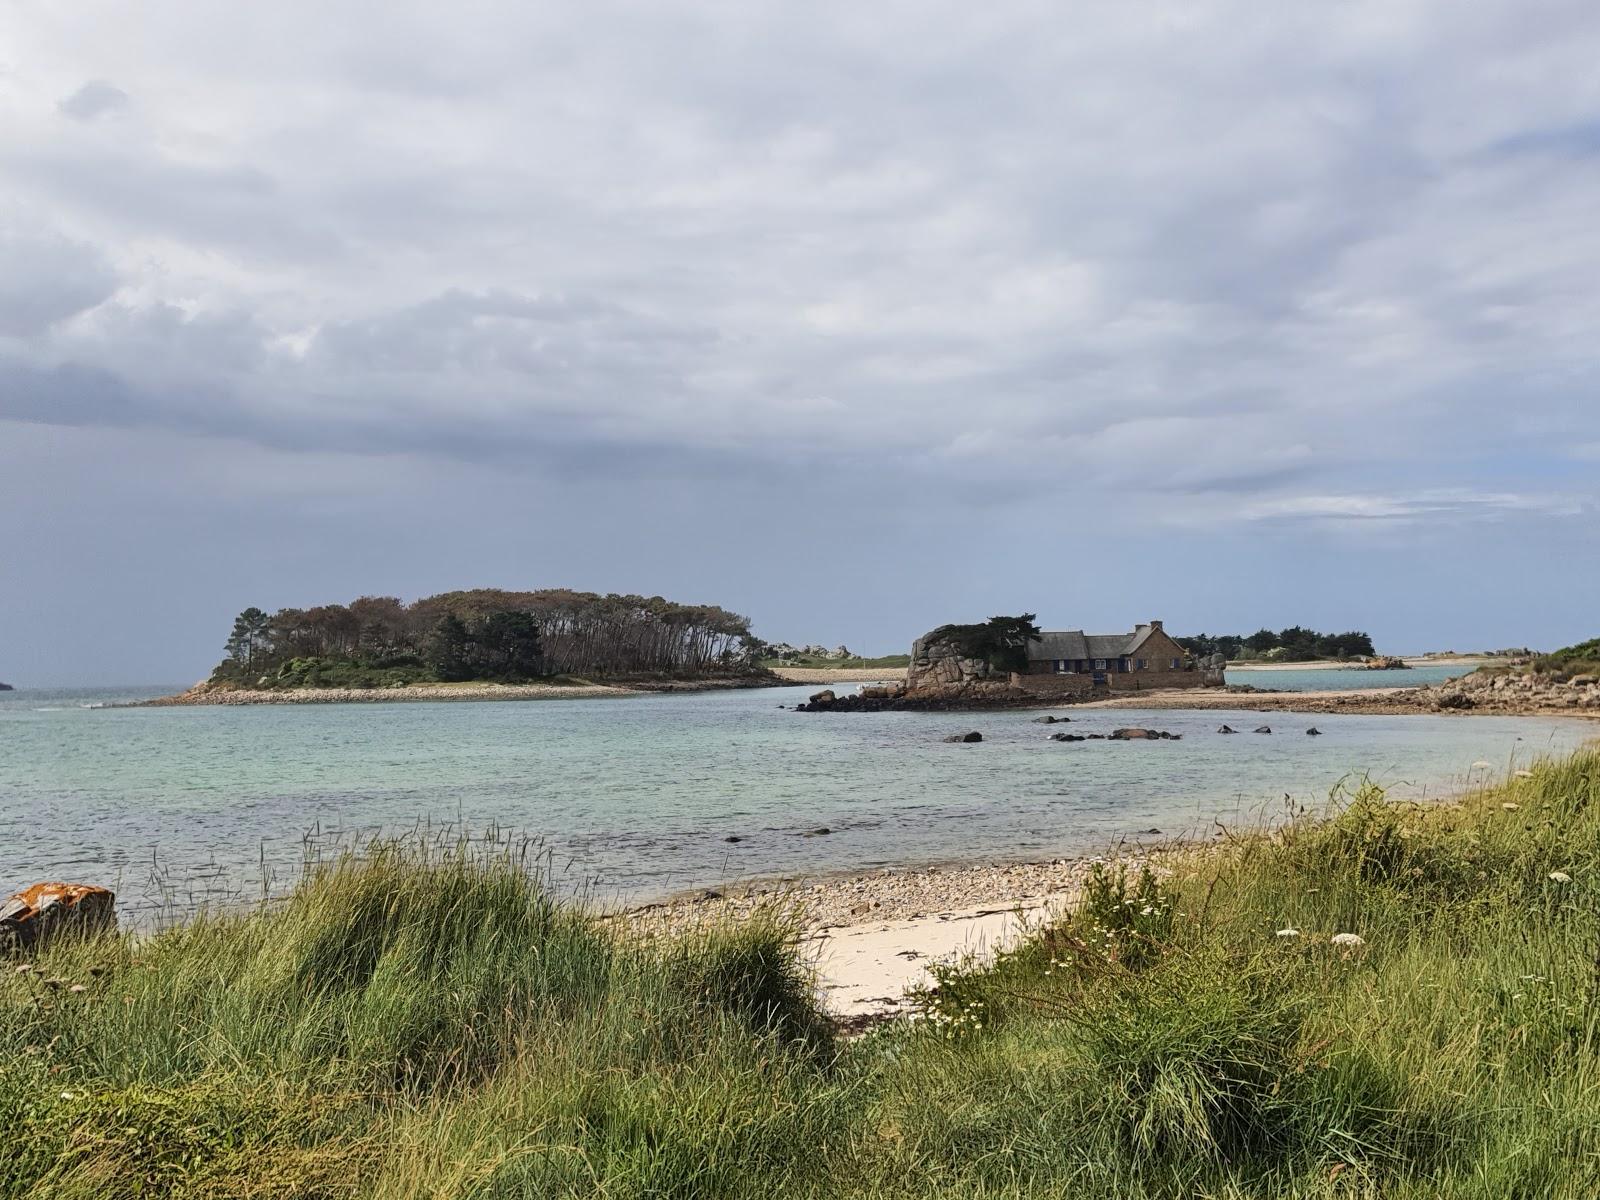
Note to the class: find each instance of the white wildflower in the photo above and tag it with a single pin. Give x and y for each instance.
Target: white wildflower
(1524, 774)
(1560, 877)
(1510, 806)
(1349, 941)
(1290, 932)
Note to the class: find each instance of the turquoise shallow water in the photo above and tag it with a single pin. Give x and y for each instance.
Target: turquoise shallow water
(1343, 679)
(635, 796)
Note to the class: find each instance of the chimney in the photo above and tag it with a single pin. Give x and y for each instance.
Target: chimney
(1155, 624)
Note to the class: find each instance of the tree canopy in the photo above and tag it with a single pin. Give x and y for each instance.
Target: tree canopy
(1294, 644)
(484, 633)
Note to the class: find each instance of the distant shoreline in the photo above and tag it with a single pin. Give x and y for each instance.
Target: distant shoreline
(201, 695)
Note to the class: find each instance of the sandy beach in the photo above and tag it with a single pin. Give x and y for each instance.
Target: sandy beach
(201, 694)
(872, 936)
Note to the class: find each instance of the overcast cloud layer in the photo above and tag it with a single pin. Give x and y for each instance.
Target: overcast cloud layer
(856, 318)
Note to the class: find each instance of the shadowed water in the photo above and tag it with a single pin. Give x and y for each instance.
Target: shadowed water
(637, 795)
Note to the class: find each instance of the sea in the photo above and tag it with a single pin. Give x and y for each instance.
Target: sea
(632, 799)
(1344, 679)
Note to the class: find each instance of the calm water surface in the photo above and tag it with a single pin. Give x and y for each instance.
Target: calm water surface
(1344, 679)
(635, 796)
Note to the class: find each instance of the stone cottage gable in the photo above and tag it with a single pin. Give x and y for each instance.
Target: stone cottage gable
(1148, 657)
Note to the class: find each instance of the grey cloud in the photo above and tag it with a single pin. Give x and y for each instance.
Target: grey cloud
(66, 395)
(46, 278)
(753, 237)
(93, 99)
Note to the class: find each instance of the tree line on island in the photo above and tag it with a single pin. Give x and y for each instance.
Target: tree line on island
(484, 634)
(1294, 644)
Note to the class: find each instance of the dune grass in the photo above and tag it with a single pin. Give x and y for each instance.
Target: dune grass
(1395, 1001)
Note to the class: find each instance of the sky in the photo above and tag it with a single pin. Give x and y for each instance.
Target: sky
(854, 318)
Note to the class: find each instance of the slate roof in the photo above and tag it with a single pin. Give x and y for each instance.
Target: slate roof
(1075, 644)
(1055, 646)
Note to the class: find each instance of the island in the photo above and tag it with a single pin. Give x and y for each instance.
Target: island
(480, 644)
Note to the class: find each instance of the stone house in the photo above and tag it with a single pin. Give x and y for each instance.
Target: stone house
(1146, 658)
(1062, 666)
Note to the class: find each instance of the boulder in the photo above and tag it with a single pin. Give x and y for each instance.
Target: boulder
(1047, 719)
(1130, 735)
(1068, 737)
(47, 910)
(974, 736)
(1263, 728)
(825, 696)
(1313, 732)
(1226, 729)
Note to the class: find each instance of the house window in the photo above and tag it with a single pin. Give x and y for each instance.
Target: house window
(1099, 664)
(1140, 665)
(1176, 663)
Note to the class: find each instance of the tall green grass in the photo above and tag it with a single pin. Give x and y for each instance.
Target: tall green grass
(416, 1025)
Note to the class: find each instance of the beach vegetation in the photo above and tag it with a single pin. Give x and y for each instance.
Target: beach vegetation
(1386, 1000)
(1580, 659)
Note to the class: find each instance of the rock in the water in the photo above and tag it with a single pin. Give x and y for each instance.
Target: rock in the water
(1141, 735)
(733, 837)
(1047, 719)
(1313, 732)
(1226, 729)
(1068, 737)
(825, 696)
(48, 910)
(1263, 728)
(974, 736)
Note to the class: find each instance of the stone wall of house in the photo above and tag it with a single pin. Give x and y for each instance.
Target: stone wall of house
(1063, 686)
